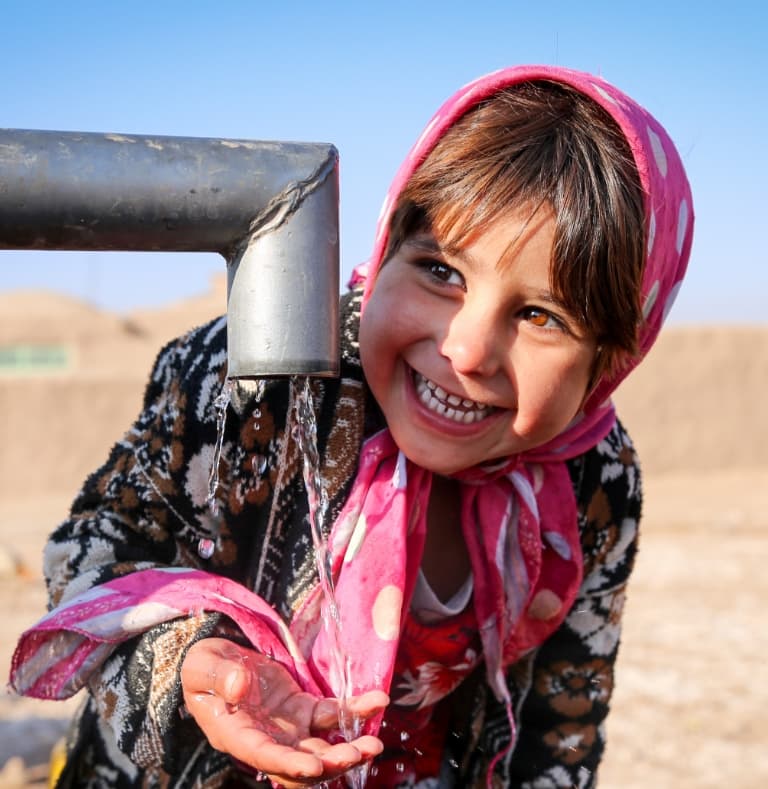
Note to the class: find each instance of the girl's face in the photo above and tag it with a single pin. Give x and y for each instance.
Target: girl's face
(468, 353)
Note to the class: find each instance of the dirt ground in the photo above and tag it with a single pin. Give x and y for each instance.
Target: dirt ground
(692, 681)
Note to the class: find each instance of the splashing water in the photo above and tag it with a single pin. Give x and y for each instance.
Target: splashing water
(305, 432)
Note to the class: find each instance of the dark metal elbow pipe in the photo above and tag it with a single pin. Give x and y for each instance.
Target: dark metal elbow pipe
(269, 208)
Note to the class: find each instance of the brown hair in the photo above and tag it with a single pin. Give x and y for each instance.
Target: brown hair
(543, 144)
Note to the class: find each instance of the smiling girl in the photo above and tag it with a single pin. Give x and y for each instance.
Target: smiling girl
(468, 353)
(484, 499)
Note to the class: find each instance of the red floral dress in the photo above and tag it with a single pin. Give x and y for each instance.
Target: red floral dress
(432, 660)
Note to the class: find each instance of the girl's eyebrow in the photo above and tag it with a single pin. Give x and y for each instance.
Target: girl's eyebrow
(547, 297)
(423, 241)
(426, 242)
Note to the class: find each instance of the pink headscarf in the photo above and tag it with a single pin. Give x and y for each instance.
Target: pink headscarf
(529, 496)
(510, 511)
(668, 202)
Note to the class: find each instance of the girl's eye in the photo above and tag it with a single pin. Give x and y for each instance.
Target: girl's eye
(442, 272)
(542, 319)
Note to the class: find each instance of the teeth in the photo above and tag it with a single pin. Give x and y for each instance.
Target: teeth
(436, 399)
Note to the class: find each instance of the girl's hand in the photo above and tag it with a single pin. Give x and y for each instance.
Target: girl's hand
(250, 707)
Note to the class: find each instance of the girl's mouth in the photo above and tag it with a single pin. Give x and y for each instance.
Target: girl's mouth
(450, 406)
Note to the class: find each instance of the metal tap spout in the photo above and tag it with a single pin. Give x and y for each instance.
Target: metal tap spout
(271, 209)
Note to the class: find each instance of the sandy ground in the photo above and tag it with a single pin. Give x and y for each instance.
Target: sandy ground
(692, 683)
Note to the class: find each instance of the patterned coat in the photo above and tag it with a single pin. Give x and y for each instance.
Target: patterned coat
(146, 507)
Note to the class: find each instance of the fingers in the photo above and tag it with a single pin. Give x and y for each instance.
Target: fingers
(218, 666)
(369, 747)
(368, 704)
(325, 716)
(311, 760)
(335, 759)
(233, 730)
(282, 761)
(250, 707)
(292, 761)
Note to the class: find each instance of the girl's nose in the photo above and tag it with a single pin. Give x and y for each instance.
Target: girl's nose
(474, 342)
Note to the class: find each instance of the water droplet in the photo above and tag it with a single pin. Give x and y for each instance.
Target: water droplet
(404, 736)
(205, 548)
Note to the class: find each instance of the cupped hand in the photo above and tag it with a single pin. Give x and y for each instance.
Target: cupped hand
(249, 706)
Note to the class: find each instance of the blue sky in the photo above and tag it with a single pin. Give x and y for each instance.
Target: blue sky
(366, 77)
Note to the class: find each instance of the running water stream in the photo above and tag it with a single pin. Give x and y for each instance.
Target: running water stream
(304, 431)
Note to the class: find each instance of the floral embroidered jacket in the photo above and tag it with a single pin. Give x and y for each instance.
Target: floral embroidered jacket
(146, 508)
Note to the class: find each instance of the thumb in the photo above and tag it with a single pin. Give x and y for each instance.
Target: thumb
(217, 666)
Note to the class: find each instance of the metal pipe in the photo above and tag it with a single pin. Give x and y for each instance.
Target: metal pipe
(269, 208)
